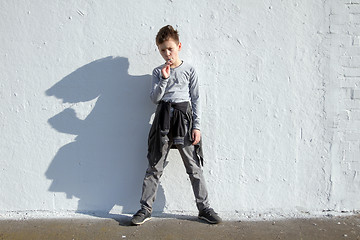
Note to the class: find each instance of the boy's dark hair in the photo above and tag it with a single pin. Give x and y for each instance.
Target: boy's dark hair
(165, 33)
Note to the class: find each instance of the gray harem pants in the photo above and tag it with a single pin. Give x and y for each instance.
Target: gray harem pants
(193, 169)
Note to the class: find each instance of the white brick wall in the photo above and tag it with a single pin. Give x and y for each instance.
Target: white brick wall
(344, 82)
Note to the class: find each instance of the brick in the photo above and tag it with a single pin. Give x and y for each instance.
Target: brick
(345, 1)
(337, 29)
(356, 41)
(354, 18)
(352, 82)
(346, 93)
(341, 127)
(350, 156)
(352, 29)
(340, 18)
(343, 145)
(354, 146)
(352, 136)
(341, 40)
(350, 104)
(355, 61)
(350, 61)
(351, 72)
(354, 164)
(339, 8)
(351, 51)
(349, 125)
(354, 114)
(355, 94)
(345, 61)
(344, 115)
(354, 8)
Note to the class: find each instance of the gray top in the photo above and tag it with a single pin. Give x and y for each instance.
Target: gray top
(181, 86)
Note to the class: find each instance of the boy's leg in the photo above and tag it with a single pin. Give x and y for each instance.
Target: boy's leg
(193, 168)
(195, 172)
(151, 179)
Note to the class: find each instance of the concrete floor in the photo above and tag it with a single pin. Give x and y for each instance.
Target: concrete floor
(181, 228)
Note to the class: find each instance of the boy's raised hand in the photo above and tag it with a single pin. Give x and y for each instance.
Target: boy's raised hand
(165, 71)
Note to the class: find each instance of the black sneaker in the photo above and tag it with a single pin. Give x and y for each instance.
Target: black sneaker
(141, 216)
(210, 216)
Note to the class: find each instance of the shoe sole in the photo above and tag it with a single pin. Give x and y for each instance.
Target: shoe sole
(145, 220)
(207, 220)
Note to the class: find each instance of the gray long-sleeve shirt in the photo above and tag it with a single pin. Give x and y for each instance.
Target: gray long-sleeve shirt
(181, 86)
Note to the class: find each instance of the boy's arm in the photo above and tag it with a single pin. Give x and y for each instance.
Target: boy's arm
(195, 99)
(158, 86)
(195, 103)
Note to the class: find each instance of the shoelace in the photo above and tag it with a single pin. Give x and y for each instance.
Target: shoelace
(141, 212)
(209, 211)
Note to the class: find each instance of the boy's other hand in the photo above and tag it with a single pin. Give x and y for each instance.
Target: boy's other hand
(165, 71)
(196, 135)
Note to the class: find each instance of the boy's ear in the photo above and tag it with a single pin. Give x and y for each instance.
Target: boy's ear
(179, 46)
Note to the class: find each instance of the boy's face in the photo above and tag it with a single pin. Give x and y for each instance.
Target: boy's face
(169, 50)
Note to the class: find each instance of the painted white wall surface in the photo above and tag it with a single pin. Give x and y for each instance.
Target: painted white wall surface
(280, 88)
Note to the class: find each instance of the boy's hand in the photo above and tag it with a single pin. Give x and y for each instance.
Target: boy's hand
(165, 71)
(196, 135)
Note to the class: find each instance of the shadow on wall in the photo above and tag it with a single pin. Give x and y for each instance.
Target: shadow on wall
(106, 163)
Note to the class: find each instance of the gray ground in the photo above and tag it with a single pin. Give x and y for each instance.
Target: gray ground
(181, 228)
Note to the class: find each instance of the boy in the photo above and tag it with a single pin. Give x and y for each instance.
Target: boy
(175, 90)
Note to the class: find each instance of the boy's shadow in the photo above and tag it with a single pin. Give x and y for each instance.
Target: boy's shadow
(106, 163)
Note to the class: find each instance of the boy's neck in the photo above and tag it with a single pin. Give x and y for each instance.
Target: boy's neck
(177, 63)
